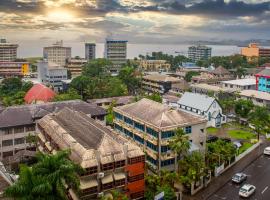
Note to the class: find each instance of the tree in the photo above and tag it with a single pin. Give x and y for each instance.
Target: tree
(110, 115)
(190, 74)
(243, 107)
(80, 84)
(11, 85)
(240, 71)
(71, 94)
(155, 97)
(128, 77)
(260, 119)
(96, 67)
(179, 144)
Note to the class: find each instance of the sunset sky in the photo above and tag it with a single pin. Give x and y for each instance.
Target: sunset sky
(138, 21)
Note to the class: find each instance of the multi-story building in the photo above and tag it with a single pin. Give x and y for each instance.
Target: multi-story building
(116, 52)
(14, 69)
(109, 161)
(51, 74)
(17, 122)
(203, 105)
(263, 80)
(254, 51)
(196, 53)
(152, 125)
(158, 83)
(57, 53)
(258, 98)
(75, 66)
(8, 51)
(239, 84)
(90, 51)
(155, 65)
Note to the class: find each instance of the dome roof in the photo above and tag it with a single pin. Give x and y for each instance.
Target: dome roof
(39, 92)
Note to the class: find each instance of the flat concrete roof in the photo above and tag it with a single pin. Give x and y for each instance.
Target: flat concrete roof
(241, 82)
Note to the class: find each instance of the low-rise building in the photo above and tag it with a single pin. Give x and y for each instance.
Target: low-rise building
(14, 69)
(263, 80)
(158, 83)
(258, 98)
(155, 65)
(75, 66)
(106, 102)
(152, 125)
(203, 105)
(239, 84)
(17, 122)
(110, 161)
(51, 74)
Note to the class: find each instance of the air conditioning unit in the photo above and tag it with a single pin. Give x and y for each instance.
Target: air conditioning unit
(101, 194)
(100, 175)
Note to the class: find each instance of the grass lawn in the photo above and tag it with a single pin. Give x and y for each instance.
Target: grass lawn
(244, 147)
(240, 134)
(212, 130)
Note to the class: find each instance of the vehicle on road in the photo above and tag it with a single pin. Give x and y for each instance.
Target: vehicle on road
(247, 190)
(266, 151)
(239, 178)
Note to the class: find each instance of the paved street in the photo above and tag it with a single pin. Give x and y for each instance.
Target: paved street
(258, 174)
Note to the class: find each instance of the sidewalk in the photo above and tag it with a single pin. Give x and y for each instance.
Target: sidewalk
(218, 182)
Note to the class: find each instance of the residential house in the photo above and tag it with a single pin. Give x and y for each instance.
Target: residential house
(239, 84)
(258, 98)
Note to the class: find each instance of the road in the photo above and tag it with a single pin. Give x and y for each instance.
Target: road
(258, 174)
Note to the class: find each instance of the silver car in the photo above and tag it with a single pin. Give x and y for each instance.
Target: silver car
(247, 190)
(266, 151)
(239, 178)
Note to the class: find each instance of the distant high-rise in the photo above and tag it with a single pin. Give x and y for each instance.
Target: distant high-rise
(90, 51)
(116, 52)
(57, 53)
(196, 53)
(8, 51)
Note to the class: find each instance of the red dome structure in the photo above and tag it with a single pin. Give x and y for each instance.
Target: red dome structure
(39, 93)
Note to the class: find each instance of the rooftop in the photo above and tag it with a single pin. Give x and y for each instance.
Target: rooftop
(119, 100)
(161, 78)
(220, 71)
(241, 82)
(208, 87)
(256, 94)
(265, 72)
(27, 114)
(158, 115)
(197, 101)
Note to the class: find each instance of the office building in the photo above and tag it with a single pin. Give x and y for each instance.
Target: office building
(8, 51)
(158, 83)
(254, 51)
(196, 53)
(203, 105)
(116, 52)
(263, 80)
(155, 65)
(75, 66)
(109, 161)
(51, 74)
(57, 53)
(14, 69)
(152, 125)
(90, 51)
(17, 122)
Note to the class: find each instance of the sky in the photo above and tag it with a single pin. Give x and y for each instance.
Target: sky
(37, 23)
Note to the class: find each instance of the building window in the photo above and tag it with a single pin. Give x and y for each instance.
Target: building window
(7, 131)
(90, 170)
(7, 154)
(120, 182)
(151, 146)
(139, 139)
(188, 129)
(152, 132)
(19, 141)
(128, 121)
(165, 149)
(136, 160)
(19, 129)
(152, 160)
(128, 133)
(91, 190)
(136, 178)
(167, 134)
(209, 116)
(139, 126)
(120, 163)
(107, 166)
(7, 143)
(118, 128)
(30, 128)
(118, 116)
(167, 162)
(107, 186)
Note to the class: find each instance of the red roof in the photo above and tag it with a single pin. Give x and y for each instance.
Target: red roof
(39, 92)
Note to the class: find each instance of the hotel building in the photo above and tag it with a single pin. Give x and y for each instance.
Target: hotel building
(151, 125)
(109, 161)
(196, 53)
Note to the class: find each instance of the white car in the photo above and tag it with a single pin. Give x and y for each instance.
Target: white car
(266, 151)
(247, 190)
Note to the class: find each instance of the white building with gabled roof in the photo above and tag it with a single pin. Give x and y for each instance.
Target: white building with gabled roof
(203, 105)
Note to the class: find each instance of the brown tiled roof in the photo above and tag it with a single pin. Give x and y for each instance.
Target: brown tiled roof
(220, 70)
(27, 114)
(158, 115)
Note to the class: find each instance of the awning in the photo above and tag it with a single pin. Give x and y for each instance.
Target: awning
(88, 182)
(107, 179)
(119, 176)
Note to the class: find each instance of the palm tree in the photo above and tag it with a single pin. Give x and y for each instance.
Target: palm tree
(29, 186)
(179, 144)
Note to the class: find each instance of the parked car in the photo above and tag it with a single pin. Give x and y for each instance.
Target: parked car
(266, 151)
(247, 190)
(239, 178)
(211, 138)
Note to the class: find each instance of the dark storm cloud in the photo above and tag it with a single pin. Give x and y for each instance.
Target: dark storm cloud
(14, 6)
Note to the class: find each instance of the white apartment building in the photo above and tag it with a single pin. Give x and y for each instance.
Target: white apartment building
(8, 51)
(239, 84)
(57, 53)
(196, 53)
